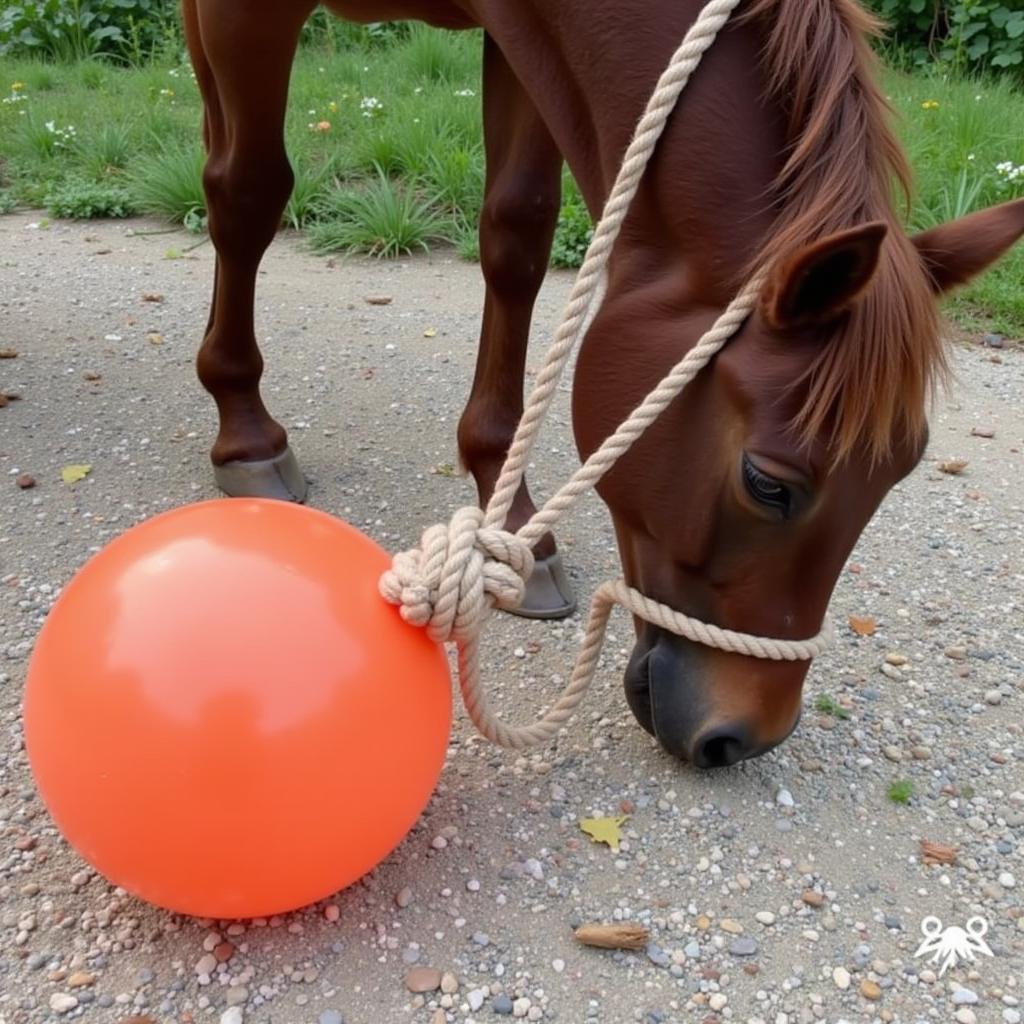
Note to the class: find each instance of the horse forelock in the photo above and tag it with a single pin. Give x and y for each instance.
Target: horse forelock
(868, 387)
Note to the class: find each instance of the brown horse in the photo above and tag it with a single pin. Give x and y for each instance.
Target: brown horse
(741, 504)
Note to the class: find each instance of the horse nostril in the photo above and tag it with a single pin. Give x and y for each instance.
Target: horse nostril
(721, 747)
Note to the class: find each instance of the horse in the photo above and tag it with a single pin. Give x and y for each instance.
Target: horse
(741, 504)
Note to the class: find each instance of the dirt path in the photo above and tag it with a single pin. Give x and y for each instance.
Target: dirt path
(717, 864)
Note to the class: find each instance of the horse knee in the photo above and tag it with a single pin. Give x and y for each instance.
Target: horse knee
(516, 229)
(245, 199)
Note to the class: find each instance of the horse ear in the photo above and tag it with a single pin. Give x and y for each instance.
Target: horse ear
(820, 281)
(953, 253)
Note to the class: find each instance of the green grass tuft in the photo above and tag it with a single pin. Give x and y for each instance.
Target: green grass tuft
(901, 791)
(828, 705)
(169, 183)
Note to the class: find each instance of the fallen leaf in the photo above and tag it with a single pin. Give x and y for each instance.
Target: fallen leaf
(172, 254)
(937, 853)
(152, 297)
(8, 353)
(378, 300)
(604, 830)
(155, 338)
(92, 375)
(26, 481)
(613, 936)
(444, 469)
(863, 625)
(430, 332)
(72, 474)
(982, 432)
(7, 397)
(954, 467)
(102, 252)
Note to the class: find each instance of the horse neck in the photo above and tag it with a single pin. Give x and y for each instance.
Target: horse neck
(591, 69)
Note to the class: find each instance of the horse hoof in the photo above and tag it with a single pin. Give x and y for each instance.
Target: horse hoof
(549, 594)
(280, 477)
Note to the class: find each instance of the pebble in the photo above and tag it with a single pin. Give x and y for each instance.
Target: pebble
(502, 1004)
(993, 697)
(765, 917)
(403, 897)
(965, 1015)
(841, 977)
(812, 898)
(61, 1002)
(870, 989)
(727, 924)
(80, 979)
(232, 1015)
(207, 964)
(237, 995)
(521, 1007)
(330, 1017)
(26, 481)
(718, 1001)
(332, 912)
(1011, 1016)
(1007, 881)
(743, 946)
(423, 979)
(784, 798)
(965, 997)
(475, 997)
(449, 983)
(223, 952)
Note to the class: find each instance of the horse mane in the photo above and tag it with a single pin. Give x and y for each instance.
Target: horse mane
(869, 385)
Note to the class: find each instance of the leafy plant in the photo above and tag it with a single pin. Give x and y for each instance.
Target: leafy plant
(8, 204)
(77, 29)
(86, 200)
(828, 705)
(574, 231)
(966, 35)
(901, 791)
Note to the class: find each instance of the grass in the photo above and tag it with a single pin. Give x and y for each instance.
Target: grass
(404, 100)
(901, 791)
(828, 705)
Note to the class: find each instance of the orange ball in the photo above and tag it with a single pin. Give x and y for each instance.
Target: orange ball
(226, 719)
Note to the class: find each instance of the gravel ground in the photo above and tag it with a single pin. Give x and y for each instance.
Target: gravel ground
(789, 889)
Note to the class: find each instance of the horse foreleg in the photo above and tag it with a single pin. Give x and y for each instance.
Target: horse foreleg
(517, 224)
(242, 63)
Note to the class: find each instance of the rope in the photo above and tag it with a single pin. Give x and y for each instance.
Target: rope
(462, 571)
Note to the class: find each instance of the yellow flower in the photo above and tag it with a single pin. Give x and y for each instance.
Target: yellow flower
(332, 107)
(17, 86)
(930, 105)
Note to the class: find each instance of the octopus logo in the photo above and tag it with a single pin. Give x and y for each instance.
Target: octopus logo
(953, 944)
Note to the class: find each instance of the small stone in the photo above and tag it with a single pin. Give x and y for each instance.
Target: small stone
(502, 1004)
(558, 966)
(472, 885)
(765, 917)
(743, 946)
(1011, 1016)
(330, 1017)
(521, 1007)
(899, 660)
(1007, 881)
(481, 938)
(727, 924)
(332, 912)
(475, 997)
(26, 481)
(206, 964)
(893, 753)
(80, 979)
(870, 989)
(439, 843)
(423, 979)
(993, 341)
(841, 977)
(993, 697)
(784, 798)
(703, 923)
(232, 1015)
(237, 995)
(965, 1015)
(956, 653)
(812, 898)
(986, 432)
(920, 753)
(223, 952)
(403, 897)
(965, 997)
(61, 1002)
(718, 1002)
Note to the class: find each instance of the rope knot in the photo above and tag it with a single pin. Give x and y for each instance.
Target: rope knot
(458, 573)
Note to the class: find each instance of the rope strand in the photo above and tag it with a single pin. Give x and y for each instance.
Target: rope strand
(460, 572)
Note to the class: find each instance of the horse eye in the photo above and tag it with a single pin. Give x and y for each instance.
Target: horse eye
(766, 490)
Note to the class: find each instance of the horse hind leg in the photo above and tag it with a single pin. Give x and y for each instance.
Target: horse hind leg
(517, 225)
(243, 63)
